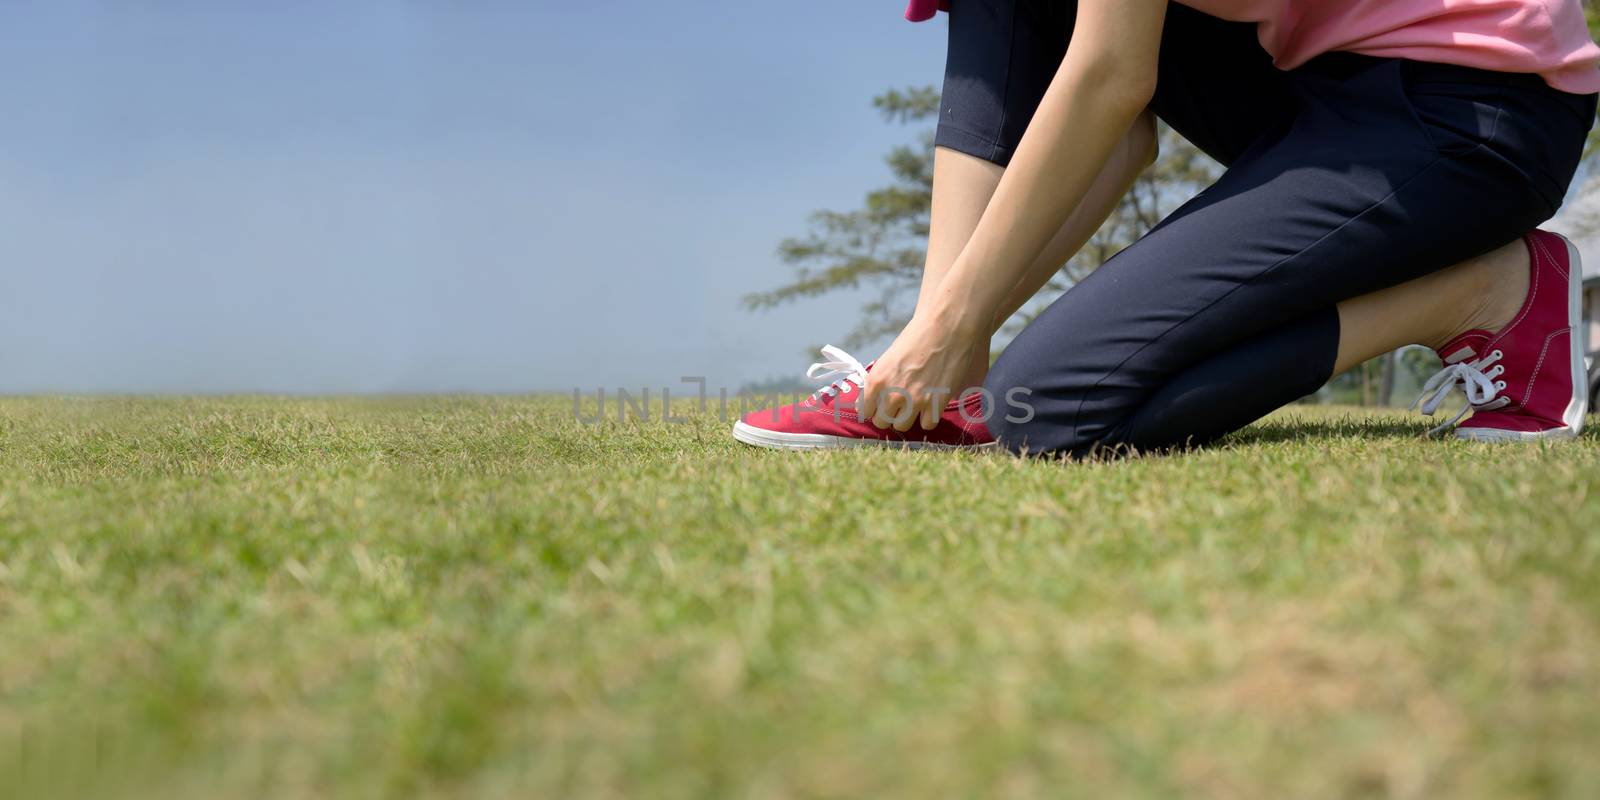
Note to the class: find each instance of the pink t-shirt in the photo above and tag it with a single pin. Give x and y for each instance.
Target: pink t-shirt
(1546, 37)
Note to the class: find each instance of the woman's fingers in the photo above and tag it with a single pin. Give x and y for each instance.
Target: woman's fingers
(902, 409)
(895, 409)
(868, 402)
(905, 414)
(880, 410)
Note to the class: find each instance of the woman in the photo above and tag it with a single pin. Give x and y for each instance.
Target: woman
(1387, 163)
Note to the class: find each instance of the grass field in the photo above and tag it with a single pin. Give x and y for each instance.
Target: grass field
(481, 597)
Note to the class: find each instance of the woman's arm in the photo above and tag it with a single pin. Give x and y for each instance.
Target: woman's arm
(1103, 84)
(1136, 152)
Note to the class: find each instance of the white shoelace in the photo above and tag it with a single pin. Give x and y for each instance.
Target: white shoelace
(843, 371)
(1476, 379)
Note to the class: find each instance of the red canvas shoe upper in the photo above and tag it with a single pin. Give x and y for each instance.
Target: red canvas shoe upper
(1520, 379)
(833, 411)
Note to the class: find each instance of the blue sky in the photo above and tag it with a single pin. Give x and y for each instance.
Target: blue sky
(378, 195)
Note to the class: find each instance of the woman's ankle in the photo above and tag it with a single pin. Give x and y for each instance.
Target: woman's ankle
(1485, 293)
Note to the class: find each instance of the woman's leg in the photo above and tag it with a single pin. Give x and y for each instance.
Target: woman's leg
(1238, 385)
(1481, 293)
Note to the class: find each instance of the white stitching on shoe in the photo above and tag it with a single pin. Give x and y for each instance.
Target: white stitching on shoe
(1543, 352)
(1555, 263)
(1527, 303)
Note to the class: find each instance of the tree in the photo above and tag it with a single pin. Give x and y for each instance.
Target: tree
(880, 246)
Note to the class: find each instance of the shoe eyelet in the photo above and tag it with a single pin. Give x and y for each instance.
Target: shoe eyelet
(847, 388)
(1497, 354)
(1500, 385)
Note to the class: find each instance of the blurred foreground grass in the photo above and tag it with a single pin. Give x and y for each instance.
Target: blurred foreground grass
(482, 597)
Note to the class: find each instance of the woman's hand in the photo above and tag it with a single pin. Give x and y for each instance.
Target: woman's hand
(918, 375)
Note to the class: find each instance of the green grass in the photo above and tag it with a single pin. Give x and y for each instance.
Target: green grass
(481, 597)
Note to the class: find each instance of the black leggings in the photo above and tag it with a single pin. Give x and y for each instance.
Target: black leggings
(1345, 176)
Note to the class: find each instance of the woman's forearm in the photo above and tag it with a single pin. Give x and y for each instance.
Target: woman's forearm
(1136, 151)
(1052, 172)
(1094, 99)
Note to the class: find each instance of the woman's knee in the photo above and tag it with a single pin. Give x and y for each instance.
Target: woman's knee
(1036, 409)
(1011, 412)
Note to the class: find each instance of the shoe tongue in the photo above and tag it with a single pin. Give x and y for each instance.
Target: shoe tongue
(1465, 347)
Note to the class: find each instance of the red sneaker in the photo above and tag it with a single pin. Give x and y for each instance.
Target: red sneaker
(1526, 382)
(828, 419)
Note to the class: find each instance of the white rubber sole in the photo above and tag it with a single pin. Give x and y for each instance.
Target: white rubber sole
(1497, 435)
(1578, 406)
(778, 440)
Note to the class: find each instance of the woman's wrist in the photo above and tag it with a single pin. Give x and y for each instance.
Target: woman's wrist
(960, 320)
